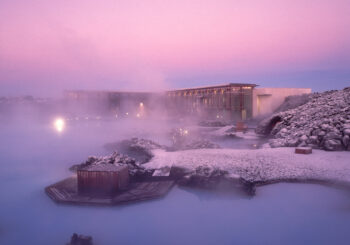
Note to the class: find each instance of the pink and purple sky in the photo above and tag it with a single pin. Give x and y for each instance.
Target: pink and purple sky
(49, 46)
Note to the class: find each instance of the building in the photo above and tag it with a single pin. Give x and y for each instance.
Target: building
(229, 102)
(233, 101)
(102, 179)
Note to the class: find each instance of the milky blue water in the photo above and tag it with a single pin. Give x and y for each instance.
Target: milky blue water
(34, 155)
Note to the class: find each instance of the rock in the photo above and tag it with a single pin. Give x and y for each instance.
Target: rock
(346, 141)
(292, 142)
(80, 240)
(178, 172)
(346, 131)
(135, 168)
(213, 178)
(303, 144)
(321, 134)
(275, 143)
(304, 138)
(184, 140)
(137, 148)
(333, 145)
(313, 140)
(333, 135)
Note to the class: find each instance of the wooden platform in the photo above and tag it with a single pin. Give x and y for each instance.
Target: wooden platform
(66, 191)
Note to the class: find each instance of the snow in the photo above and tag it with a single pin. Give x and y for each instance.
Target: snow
(261, 164)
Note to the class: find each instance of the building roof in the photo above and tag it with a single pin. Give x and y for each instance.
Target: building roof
(218, 86)
(103, 167)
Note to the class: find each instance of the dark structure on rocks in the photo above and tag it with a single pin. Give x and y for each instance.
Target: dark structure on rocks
(102, 179)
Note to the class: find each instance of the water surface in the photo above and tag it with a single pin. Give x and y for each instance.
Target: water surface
(34, 155)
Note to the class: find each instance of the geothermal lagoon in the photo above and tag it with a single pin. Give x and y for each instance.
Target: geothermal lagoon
(37, 153)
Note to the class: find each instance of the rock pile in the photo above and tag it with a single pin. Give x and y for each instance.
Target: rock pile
(140, 149)
(118, 159)
(322, 123)
(205, 177)
(182, 139)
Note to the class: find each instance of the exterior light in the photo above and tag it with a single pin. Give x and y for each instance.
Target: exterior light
(59, 124)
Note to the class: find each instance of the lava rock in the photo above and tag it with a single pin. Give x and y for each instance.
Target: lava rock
(321, 122)
(137, 148)
(333, 145)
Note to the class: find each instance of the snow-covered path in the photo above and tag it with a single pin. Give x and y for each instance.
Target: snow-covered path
(262, 164)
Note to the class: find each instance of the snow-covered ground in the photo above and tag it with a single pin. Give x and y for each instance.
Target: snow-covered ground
(265, 165)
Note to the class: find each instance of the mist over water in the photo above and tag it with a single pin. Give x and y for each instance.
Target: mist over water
(34, 154)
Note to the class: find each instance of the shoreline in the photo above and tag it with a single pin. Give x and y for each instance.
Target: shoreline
(260, 167)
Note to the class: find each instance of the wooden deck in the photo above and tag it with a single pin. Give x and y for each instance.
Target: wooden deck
(66, 191)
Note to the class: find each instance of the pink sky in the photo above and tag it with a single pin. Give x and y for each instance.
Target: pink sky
(53, 45)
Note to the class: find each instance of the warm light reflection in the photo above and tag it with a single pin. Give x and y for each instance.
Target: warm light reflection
(59, 124)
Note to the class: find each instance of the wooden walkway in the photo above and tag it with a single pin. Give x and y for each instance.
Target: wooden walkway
(66, 191)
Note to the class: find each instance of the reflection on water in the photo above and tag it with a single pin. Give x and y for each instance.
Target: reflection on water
(34, 156)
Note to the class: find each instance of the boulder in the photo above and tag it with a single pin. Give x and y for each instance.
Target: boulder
(346, 131)
(346, 141)
(333, 145)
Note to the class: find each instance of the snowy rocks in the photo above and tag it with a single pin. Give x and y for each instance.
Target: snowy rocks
(182, 139)
(333, 145)
(346, 131)
(205, 177)
(322, 122)
(346, 141)
(135, 168)
(139, 149)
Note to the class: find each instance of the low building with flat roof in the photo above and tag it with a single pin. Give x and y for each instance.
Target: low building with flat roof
(229, 102)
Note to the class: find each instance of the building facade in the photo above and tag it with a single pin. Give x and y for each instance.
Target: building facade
(233, 101)
(229, 102)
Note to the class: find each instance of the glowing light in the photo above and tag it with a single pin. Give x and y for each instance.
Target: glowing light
(127, 113)
(59, 124)
(138, 115)
(116, 115)
(141, 104)
(185, 131)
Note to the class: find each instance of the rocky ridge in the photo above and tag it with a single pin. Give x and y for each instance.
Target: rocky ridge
(322, 123)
